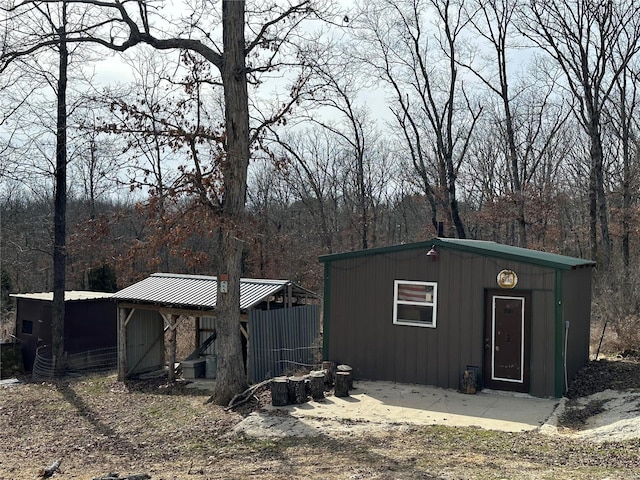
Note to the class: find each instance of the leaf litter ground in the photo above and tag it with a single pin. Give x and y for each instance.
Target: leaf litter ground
(98, 425)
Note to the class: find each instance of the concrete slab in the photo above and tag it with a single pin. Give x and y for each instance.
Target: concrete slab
(394, 403)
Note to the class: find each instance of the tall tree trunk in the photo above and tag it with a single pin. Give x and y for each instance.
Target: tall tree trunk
(60, 204)
(453, 201)
(626, 203)
(231, 373)
(362, 192)
(626, 175)
(597, 183)
(603, 213)
(512, 153)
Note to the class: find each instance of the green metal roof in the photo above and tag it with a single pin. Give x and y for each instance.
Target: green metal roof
(480, 247)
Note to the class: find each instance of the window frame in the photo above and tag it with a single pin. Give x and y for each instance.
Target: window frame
(433, 304)
(22, 329)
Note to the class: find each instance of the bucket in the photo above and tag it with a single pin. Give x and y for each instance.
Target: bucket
(211, 365)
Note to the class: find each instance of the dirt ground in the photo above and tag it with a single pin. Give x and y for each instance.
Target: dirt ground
(97, 425)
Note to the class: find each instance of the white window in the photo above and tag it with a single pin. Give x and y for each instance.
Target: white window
(414, 303)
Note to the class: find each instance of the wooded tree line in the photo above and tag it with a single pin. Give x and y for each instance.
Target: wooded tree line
(370, 123)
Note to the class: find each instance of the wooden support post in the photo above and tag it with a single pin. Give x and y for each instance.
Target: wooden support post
(342, 384)
(173, 337)
(279, 392)
(197, 339)
(172, 321)
(316, 381)
(297, 390)
(123, 320)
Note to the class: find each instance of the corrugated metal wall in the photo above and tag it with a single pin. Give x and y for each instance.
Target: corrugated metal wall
(362, 334)
(577, 312)
(283, 341)
(207, 324)
(145, 341)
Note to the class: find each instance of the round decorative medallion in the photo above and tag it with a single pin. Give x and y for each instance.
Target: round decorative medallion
(507, 279)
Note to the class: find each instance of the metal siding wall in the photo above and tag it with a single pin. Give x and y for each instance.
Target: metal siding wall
(362, 333)
(39, 313)
(90, 324)
(283, 340)
(208, 323)
(463, 302)
(543, 333)
(577, 310)
(144, 328)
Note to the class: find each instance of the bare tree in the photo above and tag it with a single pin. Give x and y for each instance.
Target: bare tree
(60, 202)
(120, 26)
(592, 43)
(624, 127)
(493, 20)
(435, 114)
(314, 175)
(49, 23)
(335, 95)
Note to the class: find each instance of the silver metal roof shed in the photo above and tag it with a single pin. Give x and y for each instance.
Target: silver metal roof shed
(159, 303)
(200, 292)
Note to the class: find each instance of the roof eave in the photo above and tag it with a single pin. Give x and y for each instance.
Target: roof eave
(514, 256)
(452, 244)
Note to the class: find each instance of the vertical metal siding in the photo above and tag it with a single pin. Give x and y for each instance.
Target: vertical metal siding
(577, 312)
(207, 323)
(363, 335)
(145, 341)
(283, 340)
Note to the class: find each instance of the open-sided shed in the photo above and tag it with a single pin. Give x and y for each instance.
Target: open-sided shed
(149, 308)
(427, 312)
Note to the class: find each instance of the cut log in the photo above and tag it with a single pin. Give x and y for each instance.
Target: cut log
(115, 476)
(347, 368)
(468, 382)
(51, 469)
(342, 384)
(329, 369)
(279, 392)
(297, 390)
(316, 382)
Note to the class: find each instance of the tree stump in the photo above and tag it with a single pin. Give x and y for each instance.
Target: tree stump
(342, 384)
(347, 368)
(316, 382)
(297, 390)
(279, 392)
(328, 368)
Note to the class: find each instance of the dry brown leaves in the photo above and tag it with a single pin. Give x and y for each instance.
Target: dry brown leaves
(99, 425)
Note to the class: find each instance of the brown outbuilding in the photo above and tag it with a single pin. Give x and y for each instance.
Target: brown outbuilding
(90, 323)
(435, 312)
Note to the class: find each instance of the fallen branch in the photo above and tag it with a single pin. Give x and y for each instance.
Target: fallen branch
(115, 476)
(242, 398)
(50, 470)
